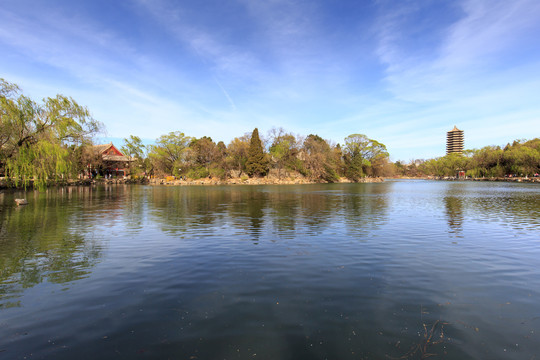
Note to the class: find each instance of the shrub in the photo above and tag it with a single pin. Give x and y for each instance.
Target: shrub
(197, 173)
(217, 173)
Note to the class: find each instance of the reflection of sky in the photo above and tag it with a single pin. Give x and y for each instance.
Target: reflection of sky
(497, 234)
(319, 260)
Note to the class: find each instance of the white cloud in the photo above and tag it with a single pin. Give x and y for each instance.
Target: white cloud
(476, 74)
(488, 29)
(293, 68)
(221, 55)
(477, 45)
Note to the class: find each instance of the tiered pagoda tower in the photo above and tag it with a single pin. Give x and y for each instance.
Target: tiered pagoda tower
(454, 141)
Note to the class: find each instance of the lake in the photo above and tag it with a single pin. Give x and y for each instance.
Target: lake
(393, 270)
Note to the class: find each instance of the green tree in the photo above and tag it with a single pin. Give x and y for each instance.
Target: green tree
(257, 162)
(486, 162)
(135, 149)
(453, 163)
(203, 151)
(284, 150)
(37, 139)
(521, 159)
(167, 155)
(362, 155)
(237, 153)
(401, 168)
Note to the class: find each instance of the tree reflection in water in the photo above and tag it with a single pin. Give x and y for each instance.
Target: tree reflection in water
(267, 212)
(38, 243)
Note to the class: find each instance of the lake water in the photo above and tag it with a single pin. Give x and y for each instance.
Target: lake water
(400, 269)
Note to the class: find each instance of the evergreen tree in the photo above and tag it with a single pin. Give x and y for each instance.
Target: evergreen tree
(257, 162)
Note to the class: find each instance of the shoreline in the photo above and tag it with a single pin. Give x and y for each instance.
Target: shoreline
(251, 181)
(171, 181)
(494, 179)
(453, 178)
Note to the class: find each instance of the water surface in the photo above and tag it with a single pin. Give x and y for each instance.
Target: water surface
(400, 269)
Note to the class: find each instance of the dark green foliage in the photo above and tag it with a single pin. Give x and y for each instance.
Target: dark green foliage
(354, 167)
(197, 173)
(257, 162)
(204, 151)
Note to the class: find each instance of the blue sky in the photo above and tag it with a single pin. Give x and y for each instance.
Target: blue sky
(401, 72)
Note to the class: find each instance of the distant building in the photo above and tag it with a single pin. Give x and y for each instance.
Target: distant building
(454, 141)
(111, 161)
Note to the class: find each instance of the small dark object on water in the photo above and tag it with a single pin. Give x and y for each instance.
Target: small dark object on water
(21, 201)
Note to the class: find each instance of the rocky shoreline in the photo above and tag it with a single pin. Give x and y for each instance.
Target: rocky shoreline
(249, 181)
(172, 181)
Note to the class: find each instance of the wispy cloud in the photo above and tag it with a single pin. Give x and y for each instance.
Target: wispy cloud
(123, 87)
(488, 29)
(207, 43)
(402, 74)
(283, 48)
(231, 102)
(476, 43)
(64, 43)
(472, 67)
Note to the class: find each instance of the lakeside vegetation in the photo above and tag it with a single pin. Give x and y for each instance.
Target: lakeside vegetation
(42, 141)
(52, 141)
(280, 153)
(519, 159)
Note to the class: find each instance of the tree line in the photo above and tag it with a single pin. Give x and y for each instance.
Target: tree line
(521, 158)
(52, 140)
(280, 153)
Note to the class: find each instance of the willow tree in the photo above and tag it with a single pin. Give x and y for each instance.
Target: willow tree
(37, 139)
(135, 149)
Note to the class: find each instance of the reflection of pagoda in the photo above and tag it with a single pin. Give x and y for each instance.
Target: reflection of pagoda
(454, 141)
(454, 213)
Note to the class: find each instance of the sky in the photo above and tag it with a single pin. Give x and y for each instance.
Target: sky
(401, 72)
